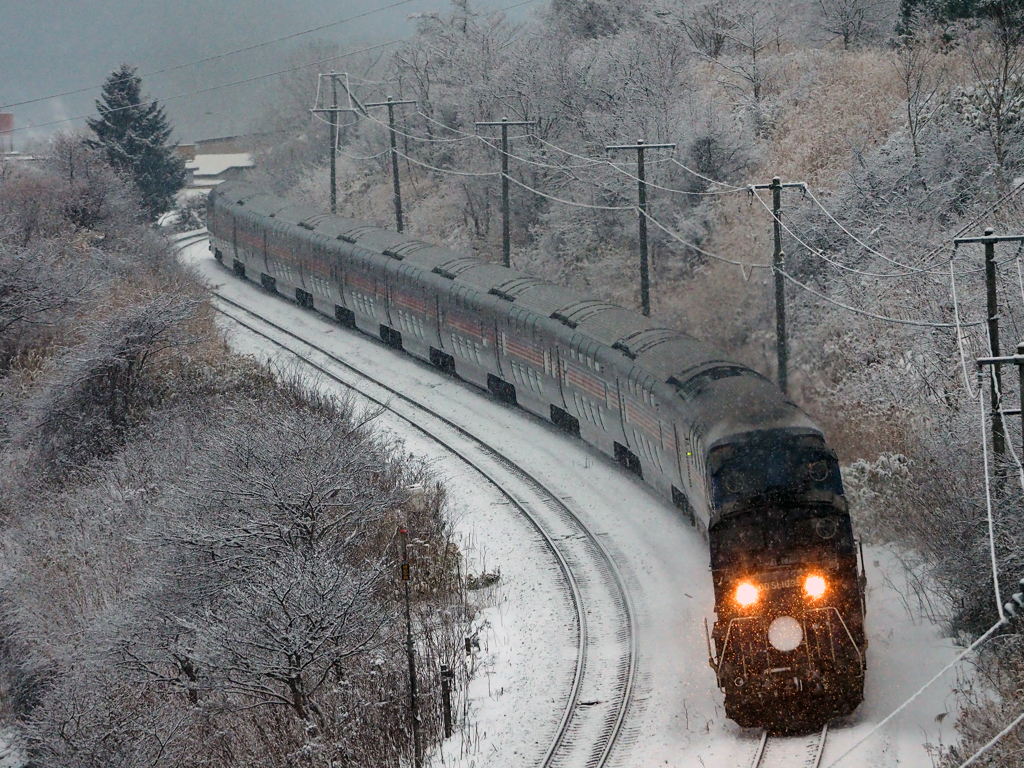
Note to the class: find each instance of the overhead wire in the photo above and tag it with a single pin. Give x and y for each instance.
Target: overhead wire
(215, 57)
(856, 239)
(811, 249)
(970, 649)
(959, 335)
(255, 78)
(995, 740)
(741, 264)
(570, 202)
(445, 170)
(855, 310)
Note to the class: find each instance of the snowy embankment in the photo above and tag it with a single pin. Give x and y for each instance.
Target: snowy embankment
(677, 719)
(11, 755)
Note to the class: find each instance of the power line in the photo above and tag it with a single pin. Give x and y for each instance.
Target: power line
(264, 76)
(446, 170)
(918, 693)
(253, 79)
(217, 56)
(993, 742)
(825, 258)
(855, 310)
(857, 240)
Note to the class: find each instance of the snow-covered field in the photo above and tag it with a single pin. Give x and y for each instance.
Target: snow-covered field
(677, 718)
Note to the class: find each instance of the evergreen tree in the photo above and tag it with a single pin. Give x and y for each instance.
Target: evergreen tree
(135, 136)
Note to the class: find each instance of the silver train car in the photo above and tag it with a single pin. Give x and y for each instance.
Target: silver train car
(741, 462)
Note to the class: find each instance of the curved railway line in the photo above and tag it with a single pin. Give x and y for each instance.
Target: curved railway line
(604, 617)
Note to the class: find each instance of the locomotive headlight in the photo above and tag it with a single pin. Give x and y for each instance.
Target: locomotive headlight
(814, 587)
(747, 594)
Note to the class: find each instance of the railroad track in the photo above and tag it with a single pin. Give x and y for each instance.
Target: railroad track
(790, 751)
(605, 619)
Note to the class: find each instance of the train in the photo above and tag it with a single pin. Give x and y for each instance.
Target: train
(740, 461)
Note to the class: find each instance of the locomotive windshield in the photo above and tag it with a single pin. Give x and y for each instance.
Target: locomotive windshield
(772, 468)
(776, 530)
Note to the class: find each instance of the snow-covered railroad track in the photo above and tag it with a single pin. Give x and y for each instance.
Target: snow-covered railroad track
(790, 751)
(605, 621)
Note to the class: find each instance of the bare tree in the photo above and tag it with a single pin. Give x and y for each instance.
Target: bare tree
(709, 25)
(922, 72)
(753, 36)
(995, 104)
(850, 20)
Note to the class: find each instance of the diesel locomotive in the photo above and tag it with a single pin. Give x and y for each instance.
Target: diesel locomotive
(741, 462)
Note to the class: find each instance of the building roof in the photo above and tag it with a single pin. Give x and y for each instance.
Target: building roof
(215, 165)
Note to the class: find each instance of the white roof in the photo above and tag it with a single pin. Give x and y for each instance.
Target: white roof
(214, 165)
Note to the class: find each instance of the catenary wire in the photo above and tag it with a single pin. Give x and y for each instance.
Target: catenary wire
(998, 737)
(917, 694)
(709, 254)
(256, 78)
(445, 170)
(570, 202)
(897, 321)
(857, 240)
(589, 162)
(821, 255)
(224, 55)
(959, 335)
(253, 79)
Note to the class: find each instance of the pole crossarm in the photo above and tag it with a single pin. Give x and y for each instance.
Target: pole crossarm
(389, 102)
(639, 143)
(1012, 360)
(485, 123)
(641, 183)
(506, 242)
(988, 239)
(788, 185)
(334, 110)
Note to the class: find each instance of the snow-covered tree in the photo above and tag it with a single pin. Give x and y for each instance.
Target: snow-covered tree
(135, 134)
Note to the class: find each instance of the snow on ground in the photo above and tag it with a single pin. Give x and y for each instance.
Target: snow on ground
(677, 717)
(11, 756)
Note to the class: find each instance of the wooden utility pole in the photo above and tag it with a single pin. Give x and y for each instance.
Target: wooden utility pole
(506, 247)
(645, 280)
(411, 653)
(778, 261)
(390, 104)
(333, 111)
(996, 382)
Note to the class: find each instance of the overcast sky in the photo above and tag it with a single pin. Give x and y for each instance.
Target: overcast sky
(52, 46)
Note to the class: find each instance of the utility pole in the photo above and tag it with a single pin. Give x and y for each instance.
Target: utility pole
(447, 674)
(390, 104)
(996, 382)
(410, 651)
(778, 260)
(506, 248)
(645, 279)
(333, 111)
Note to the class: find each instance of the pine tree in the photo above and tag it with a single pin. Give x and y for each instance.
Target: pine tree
(135, 136)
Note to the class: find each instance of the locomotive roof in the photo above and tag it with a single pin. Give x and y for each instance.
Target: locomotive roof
(732, 397)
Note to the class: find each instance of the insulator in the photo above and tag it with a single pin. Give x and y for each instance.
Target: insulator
(1011, 610)
(1018, 598)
